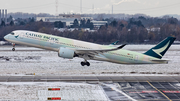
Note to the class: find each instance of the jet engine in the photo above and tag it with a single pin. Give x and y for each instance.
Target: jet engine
(66, 53)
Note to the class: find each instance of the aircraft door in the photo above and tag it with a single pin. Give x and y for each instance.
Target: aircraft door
(136, 58)
(21, 35)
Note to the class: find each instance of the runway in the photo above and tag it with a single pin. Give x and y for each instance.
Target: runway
(89, 78)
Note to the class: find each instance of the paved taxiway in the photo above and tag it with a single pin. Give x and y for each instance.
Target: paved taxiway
(89, 78)
(144, 88)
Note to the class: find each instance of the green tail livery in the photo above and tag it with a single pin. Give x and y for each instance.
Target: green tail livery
(159, 50)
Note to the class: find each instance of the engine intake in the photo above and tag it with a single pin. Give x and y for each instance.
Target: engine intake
(65, 53)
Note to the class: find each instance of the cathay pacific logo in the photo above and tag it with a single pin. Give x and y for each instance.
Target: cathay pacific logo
(159, 51)
(16, 36)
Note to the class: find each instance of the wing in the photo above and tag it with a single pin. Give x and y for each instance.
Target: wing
(95, 52)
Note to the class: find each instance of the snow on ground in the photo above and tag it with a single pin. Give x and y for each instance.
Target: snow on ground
(43, 62)
(39, 91)
(29, 60)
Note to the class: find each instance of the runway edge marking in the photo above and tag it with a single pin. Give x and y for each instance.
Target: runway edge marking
(159, 91)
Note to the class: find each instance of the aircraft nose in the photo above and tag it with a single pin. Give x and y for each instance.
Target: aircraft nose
(6, 37)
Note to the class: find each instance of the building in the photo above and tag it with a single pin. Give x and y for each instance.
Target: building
(3, 15)
(75, 16)
(86, 18)
(68, 19)
(99, 23)
(153, 29)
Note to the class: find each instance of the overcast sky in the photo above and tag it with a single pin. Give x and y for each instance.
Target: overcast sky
(149, 7)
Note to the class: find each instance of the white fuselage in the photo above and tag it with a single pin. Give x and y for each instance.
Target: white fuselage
(53, 43)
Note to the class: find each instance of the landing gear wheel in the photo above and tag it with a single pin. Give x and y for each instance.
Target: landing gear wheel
(82, 63)
(85, 63)
(13, 44)
(13, 49)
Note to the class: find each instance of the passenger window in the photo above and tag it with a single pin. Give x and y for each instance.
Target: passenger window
(12, 33)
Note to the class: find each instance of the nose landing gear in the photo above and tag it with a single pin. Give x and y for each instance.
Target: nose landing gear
(13, 44)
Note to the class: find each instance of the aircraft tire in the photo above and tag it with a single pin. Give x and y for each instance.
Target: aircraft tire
(82, 63)
(13, 49)
(88, 64)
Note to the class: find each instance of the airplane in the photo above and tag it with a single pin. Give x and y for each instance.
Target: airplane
(69, 48)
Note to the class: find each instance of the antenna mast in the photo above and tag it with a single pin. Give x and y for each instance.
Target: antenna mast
(93, 9)
(112, 9)
(56, 8)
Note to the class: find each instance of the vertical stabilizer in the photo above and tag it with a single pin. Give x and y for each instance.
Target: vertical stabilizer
(159, 50)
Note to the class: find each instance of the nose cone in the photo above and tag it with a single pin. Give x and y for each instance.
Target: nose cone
(6, 37)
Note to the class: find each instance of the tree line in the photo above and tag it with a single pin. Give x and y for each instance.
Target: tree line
(133, 30)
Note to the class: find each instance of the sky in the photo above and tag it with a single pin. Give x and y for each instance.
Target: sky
(148, 7)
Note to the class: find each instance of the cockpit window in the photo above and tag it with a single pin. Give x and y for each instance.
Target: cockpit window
(12, 33)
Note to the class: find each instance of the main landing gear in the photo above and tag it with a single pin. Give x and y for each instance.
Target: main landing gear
(85, 63)
(13, 44)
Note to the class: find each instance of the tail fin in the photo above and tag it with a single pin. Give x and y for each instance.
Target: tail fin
(159, 50)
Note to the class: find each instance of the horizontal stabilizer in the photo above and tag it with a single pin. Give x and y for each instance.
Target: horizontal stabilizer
(161, 61)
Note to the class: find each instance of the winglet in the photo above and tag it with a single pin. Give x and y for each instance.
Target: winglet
(121, 46)
(114, 43)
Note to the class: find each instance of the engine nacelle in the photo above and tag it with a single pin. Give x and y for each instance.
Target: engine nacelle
(65, 53)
